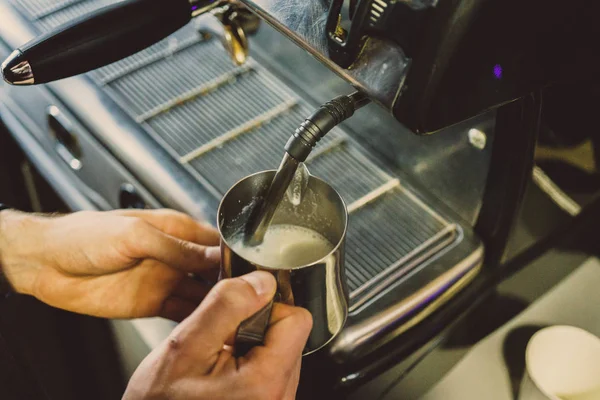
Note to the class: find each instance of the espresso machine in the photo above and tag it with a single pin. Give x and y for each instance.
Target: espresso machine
(162, 103)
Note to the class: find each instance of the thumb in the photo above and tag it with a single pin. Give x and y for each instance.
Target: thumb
(229, 303)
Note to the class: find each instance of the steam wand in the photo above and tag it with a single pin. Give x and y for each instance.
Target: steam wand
(297, 149)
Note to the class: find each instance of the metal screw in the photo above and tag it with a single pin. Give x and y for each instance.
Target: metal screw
(477, 138)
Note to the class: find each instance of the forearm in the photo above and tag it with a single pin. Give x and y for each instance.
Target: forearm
(5, 286)
(119, 264)
(16, 267)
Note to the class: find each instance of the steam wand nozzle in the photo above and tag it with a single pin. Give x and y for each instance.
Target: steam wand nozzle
(297, 149)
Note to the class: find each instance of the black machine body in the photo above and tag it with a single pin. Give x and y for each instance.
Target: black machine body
(470, 56)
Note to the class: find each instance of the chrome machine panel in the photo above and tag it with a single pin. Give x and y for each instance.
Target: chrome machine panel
(183, 123)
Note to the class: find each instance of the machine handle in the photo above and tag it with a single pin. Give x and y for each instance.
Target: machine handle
(98, 39)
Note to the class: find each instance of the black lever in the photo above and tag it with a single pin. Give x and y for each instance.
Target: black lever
(96, 40)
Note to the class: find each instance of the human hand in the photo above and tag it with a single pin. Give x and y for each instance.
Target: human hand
(197, 362)
(116, 264)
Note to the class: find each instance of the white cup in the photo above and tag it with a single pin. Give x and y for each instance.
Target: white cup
(562, 363)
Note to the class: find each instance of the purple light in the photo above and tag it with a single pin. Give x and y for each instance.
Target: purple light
(498, 71)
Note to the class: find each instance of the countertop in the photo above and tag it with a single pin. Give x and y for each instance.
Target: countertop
(493, 368)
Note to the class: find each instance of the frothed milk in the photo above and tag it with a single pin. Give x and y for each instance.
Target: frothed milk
(284, 246)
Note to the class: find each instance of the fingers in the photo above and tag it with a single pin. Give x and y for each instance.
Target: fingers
(229, 303)
(191, 290)
(286, 337)
(177, 309)
(284, 342)
(292, 385)
(145, 241)
(175, 223)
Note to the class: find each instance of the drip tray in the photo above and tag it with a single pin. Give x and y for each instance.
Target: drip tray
(222, 122)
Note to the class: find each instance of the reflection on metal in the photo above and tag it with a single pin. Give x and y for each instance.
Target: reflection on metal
(30, 186)
(380, 233)
(53, 8)
(196, 92)
(434, 214)
(477, 138)
(174, 47)
(199, 7)
(326, 148)
(381, 68)
(317, 286)
(405, 265)
(559, 197)
(232, 134)
(369, 197)
(16, 71)
(581, 155)
(374, 332)
(64, 153)
(230, 32)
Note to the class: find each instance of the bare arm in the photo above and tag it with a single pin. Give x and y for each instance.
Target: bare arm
(118, 264)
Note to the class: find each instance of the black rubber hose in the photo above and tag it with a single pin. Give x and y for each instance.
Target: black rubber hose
(323, 120)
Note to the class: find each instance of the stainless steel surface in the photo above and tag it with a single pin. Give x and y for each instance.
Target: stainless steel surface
(445, 166)
(152, 166)
(365, 335)
(380, 69)
(37, 9)
(302, 20)
(359, 100)
(16, 72)
(297, 150)
(232, 34)
(67, 154)
(373, 162)
(320, 286)
(75, 197)
(558, 196)
(40, 10)
(66, 14)
(199, 7)
(418, 4)
(95, 185)
(262, 214)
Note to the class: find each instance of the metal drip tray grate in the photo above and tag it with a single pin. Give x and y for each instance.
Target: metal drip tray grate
(224, 122)
(230, 107)
(36, 9)
(240, 125)
(353, 176)
(256, 150)
(389, 238)
(64, 15)
(168, 85)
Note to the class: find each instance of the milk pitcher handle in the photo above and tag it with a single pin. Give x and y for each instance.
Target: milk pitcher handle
(251, 332)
